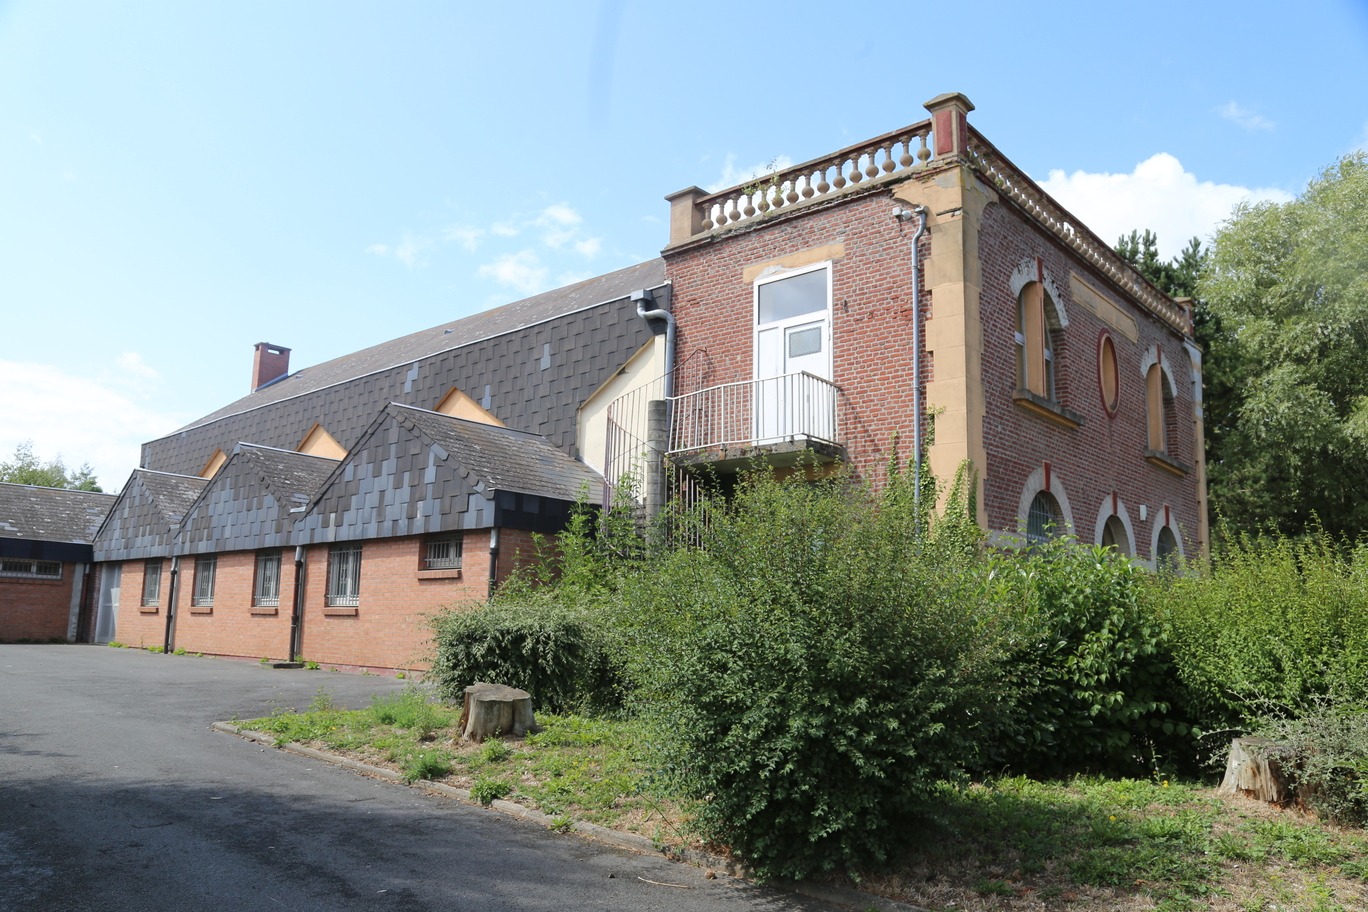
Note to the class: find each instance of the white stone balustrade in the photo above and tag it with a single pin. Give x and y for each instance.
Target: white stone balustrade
(891, 154)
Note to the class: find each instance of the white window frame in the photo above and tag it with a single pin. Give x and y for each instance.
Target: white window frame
(24, 568)
(344, 576)
(206, 568)
(152, 572)
(442, 551)
(781, 325)
(266, 580)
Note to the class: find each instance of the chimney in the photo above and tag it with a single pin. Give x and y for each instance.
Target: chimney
(269, 364)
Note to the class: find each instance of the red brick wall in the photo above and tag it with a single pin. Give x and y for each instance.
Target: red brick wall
(136, 625)
(1105, 454)
(232, 626)
(871, 334)
(871, 318)
(36, 609)
(389, 628)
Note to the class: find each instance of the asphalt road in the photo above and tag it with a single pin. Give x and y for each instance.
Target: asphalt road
(116, 796)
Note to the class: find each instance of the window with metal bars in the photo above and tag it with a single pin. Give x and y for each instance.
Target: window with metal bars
(1044, 520)
(266, 590)
(442, 552)
(205, 568)
(151, 594)
(34, 569)
(344, 576)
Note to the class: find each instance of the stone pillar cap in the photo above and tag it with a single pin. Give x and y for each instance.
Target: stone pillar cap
(949, 98)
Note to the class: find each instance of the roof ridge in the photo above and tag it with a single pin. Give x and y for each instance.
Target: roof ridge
(471, 421)
(432, 354)
(262, 446)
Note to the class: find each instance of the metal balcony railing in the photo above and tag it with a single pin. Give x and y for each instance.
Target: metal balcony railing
(750, 413)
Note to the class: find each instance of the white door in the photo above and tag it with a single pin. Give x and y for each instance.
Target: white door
(793, 338)
(107, 611)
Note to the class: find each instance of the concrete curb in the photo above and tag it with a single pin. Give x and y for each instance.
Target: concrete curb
(844, 897)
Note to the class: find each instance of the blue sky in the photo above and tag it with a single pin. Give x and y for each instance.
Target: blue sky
(179, 181)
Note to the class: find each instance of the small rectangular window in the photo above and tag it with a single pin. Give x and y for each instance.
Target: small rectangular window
(442, 552)
(33, 569)
(205, 568)
(792, 296)
(151, 594)
(266, 591)
(344, 576)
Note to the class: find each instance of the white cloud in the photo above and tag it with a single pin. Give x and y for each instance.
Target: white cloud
(589, 247)
(101, 420)
(733, 176)
(1159, 194)
(409, 250)
(504, 229)
(559, 224)
(465, 236)
(522, 271)
(1244, 118)
(133, 363)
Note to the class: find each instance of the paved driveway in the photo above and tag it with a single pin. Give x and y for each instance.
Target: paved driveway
(115, 795)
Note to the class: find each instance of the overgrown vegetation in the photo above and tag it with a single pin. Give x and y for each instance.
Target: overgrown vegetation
(1009, 843)
(820, 659)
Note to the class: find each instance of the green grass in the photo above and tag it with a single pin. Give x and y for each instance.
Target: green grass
(1010, 844)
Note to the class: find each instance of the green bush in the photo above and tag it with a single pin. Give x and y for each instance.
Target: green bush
(1330, 743)
(826, 657)
(1270, 628)
(531, 640)
(1091, 664)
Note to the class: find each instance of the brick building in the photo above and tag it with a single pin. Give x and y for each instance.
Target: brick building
(921, 273)
(45, 559)
(329, 513)
(813, 314)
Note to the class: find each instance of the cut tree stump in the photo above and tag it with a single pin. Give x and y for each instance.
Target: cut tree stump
(492, 710)
(1259, 768)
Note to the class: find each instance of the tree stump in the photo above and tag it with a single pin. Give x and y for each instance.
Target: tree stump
(1259, 768)
(492, 710)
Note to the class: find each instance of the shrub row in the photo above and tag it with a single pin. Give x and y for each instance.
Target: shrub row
(818, 657)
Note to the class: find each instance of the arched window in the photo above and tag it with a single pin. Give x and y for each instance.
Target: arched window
(1045, 519)
(1114, 536)
(1162, 419)
(1035, 344)
(1166, 552)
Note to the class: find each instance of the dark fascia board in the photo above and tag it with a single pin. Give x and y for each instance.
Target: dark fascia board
(34, 549)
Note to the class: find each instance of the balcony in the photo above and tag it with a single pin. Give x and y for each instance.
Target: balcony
(781, 420)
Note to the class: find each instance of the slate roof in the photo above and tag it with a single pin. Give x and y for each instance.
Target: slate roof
(416, 472)
(501, 459)
(531, 363)
(51, 514)
(248, 502)
(143, 521)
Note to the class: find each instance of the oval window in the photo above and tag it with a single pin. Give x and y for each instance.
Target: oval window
(1108, 375)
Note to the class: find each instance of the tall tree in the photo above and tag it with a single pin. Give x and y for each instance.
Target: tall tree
(26, 468)
(1223, 368)
(1287, 290)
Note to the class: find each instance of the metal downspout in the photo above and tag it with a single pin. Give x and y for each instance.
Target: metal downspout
(493, 560)
(642, 298)
(921, 212)
(655, 486)
(171, 605)
(297, 608)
